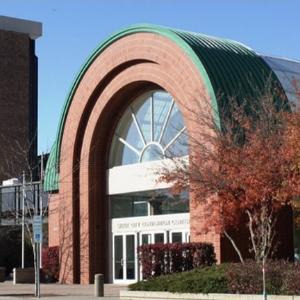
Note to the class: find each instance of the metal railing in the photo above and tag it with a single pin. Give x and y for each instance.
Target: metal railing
(11, 202)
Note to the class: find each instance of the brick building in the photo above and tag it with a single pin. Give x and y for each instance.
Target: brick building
(126, 112)
(18, 95)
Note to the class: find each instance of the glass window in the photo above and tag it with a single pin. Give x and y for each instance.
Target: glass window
(151, 129)
(174, 125)
(130, 257)
(159, 202)
(176, 237)
(143, 114)
(146, 239)
(118, 249)
(179, 147)
(277, 63)
(152, 152)
(285, 80)
(140, 208)
(165, 203)
(288, 73)
(162, 105)
(159, 238)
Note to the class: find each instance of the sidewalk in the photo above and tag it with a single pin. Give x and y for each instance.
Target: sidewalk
(8, 291)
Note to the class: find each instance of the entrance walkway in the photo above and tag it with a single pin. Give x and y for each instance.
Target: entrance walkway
(8, 291)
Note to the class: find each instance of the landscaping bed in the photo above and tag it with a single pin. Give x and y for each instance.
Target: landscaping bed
(282, 278)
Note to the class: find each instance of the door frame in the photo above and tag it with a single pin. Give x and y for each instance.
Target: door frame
(125, 280)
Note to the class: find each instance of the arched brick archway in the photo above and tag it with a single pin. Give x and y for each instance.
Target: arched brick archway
(192, 68)
(128, 67)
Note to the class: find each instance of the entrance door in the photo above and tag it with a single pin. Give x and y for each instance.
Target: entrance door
(125, 263)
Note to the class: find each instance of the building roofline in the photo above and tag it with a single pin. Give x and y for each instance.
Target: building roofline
(32, 28)
(238, 62)
(293, 60)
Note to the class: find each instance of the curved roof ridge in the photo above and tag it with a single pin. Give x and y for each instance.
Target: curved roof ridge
(212, 37)
(225, 65)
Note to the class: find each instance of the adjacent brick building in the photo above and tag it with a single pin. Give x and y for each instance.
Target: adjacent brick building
(128, 108)
(18, 95)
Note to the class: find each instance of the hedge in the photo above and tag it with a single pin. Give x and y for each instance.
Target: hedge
(282, 278)
(50, 259)
(200, 280)
(159, 259)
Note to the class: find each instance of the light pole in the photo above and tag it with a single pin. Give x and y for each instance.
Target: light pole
(23, 219)
(36, 240)
(41, 204)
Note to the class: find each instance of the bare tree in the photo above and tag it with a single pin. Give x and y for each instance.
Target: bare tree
(19, 162)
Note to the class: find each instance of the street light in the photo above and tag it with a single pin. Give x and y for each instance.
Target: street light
(23, 219)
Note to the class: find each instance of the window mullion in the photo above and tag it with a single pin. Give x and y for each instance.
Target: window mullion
(152, 119)
(129, 146)
(174, 138)
(138, 127)
(166, 121)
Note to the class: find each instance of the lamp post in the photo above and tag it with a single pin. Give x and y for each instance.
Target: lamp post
(41, 204)
(23, 220)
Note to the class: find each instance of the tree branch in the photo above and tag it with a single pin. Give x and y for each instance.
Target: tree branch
(250, 226)
(234, 246)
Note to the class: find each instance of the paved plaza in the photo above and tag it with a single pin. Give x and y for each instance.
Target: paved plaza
(58, 291)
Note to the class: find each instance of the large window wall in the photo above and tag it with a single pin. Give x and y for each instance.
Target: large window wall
(148, 203)
(143, 210)
(288, 73)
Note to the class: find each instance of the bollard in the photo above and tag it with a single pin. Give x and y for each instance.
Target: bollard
(99, 285)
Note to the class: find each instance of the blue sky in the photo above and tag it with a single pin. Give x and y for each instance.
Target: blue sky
(72, 29)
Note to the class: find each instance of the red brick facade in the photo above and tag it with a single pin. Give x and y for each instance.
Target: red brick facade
(18, 103)
(78, 219)
(127, 68)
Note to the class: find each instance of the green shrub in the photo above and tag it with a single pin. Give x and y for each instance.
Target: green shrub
(281, 278)
(205, 280)
(202, 280)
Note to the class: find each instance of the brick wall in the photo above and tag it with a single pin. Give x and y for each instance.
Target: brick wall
(18, 103)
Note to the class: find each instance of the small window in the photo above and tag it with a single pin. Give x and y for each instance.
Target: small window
(176, 237)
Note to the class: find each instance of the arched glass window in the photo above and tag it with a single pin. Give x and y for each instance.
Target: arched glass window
(151, 128)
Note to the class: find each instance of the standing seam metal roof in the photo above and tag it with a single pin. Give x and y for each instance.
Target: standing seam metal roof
(228, 68)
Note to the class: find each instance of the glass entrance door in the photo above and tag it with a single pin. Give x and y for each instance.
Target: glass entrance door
(124, 260)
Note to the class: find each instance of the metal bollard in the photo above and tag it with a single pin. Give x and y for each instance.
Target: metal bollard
(99, 285)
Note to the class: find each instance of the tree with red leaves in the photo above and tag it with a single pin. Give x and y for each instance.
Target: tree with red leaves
(248, 166)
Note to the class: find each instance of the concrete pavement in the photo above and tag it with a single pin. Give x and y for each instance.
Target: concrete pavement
(8, 291)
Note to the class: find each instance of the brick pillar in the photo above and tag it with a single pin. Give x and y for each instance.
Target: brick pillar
(197, 222)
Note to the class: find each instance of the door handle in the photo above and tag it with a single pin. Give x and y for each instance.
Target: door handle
(122, 262)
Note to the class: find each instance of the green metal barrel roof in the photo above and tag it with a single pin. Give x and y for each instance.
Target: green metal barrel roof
(228, 68)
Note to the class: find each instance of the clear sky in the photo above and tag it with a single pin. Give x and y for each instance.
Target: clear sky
(72, 29)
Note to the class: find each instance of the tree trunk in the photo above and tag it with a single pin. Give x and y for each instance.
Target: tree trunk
(234, 246)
